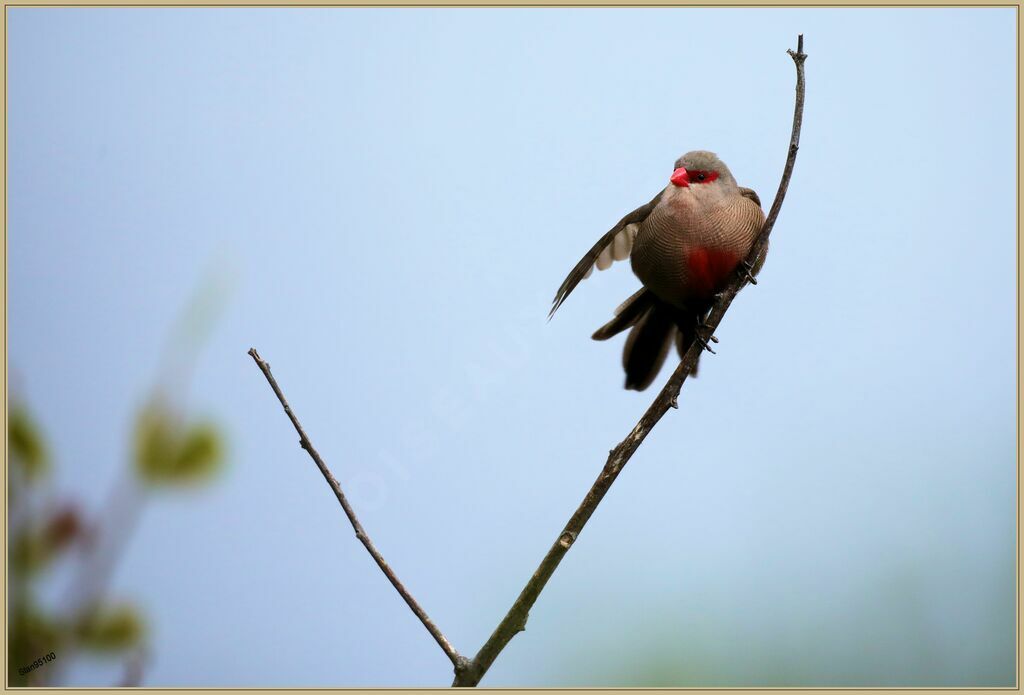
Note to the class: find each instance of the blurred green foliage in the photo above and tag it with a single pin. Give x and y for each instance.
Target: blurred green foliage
(31, 635)
(167, 453)
(26, 446)
(111, 628)
(34, 541)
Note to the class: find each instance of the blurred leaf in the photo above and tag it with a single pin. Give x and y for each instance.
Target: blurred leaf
(32, 635)
(154, 441)
(30, 552)
(111, 628)
(168, 454)
(200, 454)
(36, 546)
(26, 442)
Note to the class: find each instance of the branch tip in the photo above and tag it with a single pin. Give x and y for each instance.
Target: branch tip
(469, 672)
(667, 398)
(361, 534)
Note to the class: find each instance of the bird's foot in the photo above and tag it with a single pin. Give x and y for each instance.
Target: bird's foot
(699, 332)
(747, 271)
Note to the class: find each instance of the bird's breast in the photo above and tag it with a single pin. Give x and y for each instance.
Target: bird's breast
(685, 253)
(708, 268)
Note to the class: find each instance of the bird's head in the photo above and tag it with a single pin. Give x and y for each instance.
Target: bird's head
(701, 168)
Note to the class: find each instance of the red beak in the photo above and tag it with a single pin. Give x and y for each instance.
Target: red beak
(680, 178)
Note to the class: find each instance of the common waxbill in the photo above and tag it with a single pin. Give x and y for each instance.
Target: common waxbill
(683, 245)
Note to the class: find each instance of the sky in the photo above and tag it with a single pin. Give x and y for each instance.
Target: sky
(387, 199)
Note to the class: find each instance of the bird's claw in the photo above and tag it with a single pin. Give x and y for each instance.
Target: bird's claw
(748, 272)
(704, 344)
(701, 326)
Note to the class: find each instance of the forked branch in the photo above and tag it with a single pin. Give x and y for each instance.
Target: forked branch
(515, 620)
(469, 672)
(457, 659)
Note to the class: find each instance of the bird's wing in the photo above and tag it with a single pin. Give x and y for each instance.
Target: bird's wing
(759, 263)
(749, 193)
(615, 245)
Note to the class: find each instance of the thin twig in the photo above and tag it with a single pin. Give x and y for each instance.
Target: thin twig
(515, 620)
(457, 659)
(469, 673)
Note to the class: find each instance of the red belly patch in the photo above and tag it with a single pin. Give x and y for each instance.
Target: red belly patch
(709, 269)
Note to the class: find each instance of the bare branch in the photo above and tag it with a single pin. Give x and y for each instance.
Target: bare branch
(469, 673)
(515, 620)
(457, 659)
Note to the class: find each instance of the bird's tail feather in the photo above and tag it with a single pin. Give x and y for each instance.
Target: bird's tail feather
(687, 324)
(647, 346)
(628, 313)
(655, 326)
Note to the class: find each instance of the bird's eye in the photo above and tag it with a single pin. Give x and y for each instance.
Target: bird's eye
(703, 176)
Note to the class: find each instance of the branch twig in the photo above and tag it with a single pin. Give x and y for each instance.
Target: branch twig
(469, 672)
(458, 661)
(515, 620)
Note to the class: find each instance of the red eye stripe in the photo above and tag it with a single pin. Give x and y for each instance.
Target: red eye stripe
(700, 176)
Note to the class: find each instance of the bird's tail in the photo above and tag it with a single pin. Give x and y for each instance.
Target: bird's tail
(655, 326)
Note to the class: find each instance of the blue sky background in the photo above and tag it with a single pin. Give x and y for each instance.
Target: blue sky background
(393, 196)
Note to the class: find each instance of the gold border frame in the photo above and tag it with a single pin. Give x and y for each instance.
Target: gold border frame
(520, 3)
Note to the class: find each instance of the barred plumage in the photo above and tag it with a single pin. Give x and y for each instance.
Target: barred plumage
(683, 246)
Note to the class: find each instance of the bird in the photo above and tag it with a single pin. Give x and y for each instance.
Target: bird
(683, 246)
